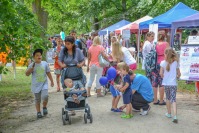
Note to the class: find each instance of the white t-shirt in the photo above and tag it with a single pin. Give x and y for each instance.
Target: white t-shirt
(128, 58)
(146, 48)
(169, 78)
(39, 76)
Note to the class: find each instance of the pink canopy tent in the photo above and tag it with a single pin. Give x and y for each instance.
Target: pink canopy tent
(134, 26)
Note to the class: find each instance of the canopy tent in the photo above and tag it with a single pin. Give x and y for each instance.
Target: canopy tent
(113, 27)
(134, 26)
(190, 21)
(179, 11)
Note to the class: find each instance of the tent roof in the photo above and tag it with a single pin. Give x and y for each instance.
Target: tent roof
(113, 27)
(179, 11)
(134, 25)
(190, 21)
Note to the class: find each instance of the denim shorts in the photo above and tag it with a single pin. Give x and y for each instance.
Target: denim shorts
(127, 97)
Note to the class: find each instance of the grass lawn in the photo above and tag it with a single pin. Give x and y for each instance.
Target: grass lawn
(12, 91)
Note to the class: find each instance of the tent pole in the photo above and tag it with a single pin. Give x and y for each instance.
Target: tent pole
(173, 32)
(138, 47)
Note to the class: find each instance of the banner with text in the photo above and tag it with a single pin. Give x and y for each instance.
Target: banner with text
(189, 62)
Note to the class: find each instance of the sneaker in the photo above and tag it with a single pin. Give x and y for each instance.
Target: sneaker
(117, 110)
(45, 111)
(175, 120)
(135, 110)
(168, 115)
(145, 112)
(39, 115)
(125, 116)
(131, 115)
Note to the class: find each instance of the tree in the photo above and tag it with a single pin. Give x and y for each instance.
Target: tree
(18, 30)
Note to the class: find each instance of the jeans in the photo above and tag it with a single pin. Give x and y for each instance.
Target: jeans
(138, 102)
(95, 70)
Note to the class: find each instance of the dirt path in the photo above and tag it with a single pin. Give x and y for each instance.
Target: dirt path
(24, 120)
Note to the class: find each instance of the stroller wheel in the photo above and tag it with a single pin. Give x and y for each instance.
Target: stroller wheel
(87, 110)
(69, 120)
(64, 119)
(91, 118)
(63, 112)
(85, 118)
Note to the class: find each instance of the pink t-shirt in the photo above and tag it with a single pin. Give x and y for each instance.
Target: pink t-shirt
(160, 48)
(95, 51)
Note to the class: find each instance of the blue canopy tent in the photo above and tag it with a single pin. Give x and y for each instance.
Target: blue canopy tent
(113, 27)
(179, 11)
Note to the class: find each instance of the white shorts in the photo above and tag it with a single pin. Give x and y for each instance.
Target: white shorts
(57, 71)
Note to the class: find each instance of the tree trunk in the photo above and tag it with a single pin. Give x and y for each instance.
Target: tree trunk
(124, 8)
(96, 24)
(42, 15)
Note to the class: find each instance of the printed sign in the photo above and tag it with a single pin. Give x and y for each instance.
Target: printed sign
(126, 34)
(193, 40)
(189, 62)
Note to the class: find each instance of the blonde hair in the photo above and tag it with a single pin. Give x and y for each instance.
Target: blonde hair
(148, 34)
(113, 39)
(123, 66)
(117, 51)
(161, 37)
(171, 56)
(96, 41)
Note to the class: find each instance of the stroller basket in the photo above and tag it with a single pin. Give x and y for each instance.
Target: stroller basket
(75, 105)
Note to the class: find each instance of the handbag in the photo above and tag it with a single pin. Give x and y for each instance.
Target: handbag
(102, 61)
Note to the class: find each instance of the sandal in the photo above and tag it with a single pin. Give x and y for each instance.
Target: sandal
(156, 103)
(163, 103)
(126, 116)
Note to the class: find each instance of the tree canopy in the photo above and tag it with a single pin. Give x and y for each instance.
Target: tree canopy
(26, 24)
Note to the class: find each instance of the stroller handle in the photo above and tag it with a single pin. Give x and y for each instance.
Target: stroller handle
(75, 92)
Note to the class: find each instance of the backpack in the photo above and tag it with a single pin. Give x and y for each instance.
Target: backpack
(151, 62)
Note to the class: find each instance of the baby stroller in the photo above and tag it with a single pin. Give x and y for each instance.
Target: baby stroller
(70, 105)
(117, 79)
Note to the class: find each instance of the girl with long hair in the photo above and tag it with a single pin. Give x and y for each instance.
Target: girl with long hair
(170, 71)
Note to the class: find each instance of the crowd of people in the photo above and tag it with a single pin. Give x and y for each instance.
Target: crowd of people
(136, 90)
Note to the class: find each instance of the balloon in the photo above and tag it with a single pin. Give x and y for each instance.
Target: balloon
(111, 73)
(103, 80)
(62, 34)
(109, 78)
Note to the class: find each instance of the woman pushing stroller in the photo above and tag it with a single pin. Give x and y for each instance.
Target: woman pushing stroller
(69, 57)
